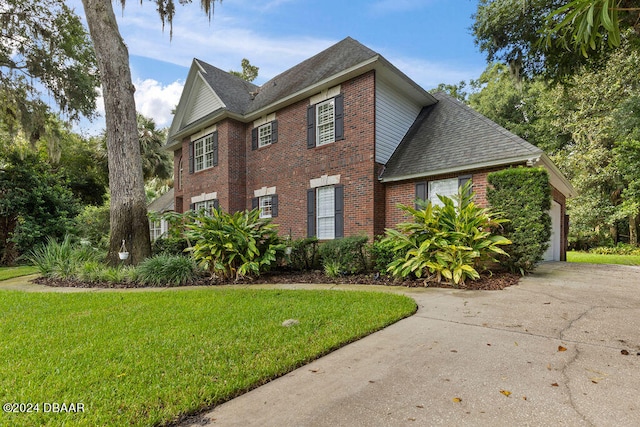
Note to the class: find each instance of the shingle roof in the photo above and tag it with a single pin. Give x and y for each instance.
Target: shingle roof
(163, 203)
(451, 136)
(337, 58)
(242, 97)
(232, 90)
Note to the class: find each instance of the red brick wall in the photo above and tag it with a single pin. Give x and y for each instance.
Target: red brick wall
(405, 193)
(289, 165)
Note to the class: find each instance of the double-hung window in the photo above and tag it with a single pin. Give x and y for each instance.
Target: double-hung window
(264, 135)
(442, 187)
(267, 203)
(205, 152)
(325, 212)
(325, 122)
(207, 205)
(266, 206)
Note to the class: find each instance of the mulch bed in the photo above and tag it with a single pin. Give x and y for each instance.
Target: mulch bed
(491, 282)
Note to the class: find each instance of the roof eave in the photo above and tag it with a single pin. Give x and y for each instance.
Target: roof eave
(556, 178)
(377, 62)
(528, 159)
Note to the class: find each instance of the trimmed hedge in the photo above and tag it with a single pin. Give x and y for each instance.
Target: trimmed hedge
(523, 196)
(344, 256)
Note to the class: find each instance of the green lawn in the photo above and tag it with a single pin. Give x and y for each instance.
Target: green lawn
(11, 272)
(144, 358)
(602, 259)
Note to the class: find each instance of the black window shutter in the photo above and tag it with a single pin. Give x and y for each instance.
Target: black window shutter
(311, 212)
(311, 126)
(274, 131)
(339, 117)
(254, 138)
(421, 192)
(216, 204)
(274, 205)
(191, 159)
(462, 180)
(215, 148)
(339, 213)
(255, 202)
(192, 206)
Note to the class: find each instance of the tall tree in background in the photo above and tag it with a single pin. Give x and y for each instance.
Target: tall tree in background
(126, 181)
(585, 25)
(43, 43)
(249, 72)
(551, 37)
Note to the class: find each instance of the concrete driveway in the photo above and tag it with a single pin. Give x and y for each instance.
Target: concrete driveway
(561, 348)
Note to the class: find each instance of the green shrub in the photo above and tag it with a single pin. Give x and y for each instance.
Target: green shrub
(167, 270)
(524, 197)
(92, 224)
(169, 246)
(452, 241)
(620, 249)
(348, 254)
(234, 245)
(382, 254)
(304, 254)
(62, 260)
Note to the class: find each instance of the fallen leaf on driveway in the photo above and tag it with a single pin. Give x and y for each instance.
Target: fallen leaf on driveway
(457, 400)
(505, 392)
(624, 352)
(561, 348)
(555, 385)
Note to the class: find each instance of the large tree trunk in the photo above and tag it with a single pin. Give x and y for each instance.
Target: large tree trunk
(129, 220)
(633, 229)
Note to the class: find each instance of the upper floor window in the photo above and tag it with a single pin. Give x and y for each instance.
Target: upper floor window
(205, 152)
(325, 122)
(264, 135)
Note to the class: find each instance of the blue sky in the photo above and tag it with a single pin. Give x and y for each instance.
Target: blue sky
(429, 40)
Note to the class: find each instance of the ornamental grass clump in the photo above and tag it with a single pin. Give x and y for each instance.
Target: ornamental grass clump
(167, 270)
(452, 241)
(233, 246)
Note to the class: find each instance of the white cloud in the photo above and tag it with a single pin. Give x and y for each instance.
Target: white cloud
(156, 101)
(429, 74)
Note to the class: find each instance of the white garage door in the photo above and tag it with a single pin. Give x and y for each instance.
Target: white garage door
(553, 252)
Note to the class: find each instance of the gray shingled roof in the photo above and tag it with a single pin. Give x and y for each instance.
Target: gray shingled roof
(337, 58)
(236, 93)
(232, 90)
(451, 136)
(163, 203)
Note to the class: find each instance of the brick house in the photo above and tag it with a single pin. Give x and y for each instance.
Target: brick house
(329, 147)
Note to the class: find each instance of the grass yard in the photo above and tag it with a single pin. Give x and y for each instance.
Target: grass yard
(11, 272)
(145, 358)
(589, 258)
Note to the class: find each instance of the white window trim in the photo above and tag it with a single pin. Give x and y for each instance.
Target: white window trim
(265, 204)
(200, 161)
(325, 217)
(325, 128)
(450, 183)
(324, 181)
(264, 135)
